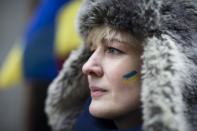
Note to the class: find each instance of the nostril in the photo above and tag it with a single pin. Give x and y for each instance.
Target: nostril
(92, 69)
(91, 73)
(95, 71)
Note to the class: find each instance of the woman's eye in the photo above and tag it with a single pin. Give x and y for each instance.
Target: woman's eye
(113, 50)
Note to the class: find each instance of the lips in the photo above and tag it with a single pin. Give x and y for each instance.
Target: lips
(97, 91)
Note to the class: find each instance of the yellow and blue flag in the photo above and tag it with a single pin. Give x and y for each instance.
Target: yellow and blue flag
(11, 71)
(39, 60)
(130, 77)
(49, 38)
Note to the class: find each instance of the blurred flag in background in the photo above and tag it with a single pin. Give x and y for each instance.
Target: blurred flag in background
(11, 71)
(49, 38)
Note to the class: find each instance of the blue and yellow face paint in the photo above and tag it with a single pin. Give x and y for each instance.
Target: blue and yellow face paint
(130, 77)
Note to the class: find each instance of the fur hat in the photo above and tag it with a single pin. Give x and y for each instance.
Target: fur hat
(169, 70)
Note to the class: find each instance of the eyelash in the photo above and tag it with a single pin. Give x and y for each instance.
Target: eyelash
(114, 51)
(109, 50)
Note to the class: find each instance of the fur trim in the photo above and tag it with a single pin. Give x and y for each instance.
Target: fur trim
(67, 93)
(163, 73)
(118, 14)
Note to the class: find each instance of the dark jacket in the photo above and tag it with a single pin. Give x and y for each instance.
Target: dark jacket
(86, 122)
(168, 29)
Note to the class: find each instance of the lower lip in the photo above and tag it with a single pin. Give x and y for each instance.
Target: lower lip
(97, 93)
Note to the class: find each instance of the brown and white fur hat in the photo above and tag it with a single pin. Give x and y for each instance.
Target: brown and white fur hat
(169, 70)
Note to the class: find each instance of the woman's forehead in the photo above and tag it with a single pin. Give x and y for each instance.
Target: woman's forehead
(104, 33)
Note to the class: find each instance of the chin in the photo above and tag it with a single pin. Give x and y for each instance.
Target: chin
(101, 111)
(95, 110)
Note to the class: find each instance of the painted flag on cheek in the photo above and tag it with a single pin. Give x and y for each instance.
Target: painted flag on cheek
(130, 77)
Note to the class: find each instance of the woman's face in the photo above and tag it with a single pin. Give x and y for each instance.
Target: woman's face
(112, 95)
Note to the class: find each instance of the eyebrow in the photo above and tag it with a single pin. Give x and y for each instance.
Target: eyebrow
(107, 41)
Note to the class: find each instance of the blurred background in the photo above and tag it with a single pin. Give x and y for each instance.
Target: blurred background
(36, 37)
(13, 18)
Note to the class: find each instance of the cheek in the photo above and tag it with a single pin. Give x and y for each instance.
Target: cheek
(116, 76)
(115, 70)
(125, 93)
(127, 98)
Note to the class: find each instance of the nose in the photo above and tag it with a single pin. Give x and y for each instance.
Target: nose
(93, 66)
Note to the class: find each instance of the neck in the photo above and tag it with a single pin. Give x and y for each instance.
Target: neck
(130, 120)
